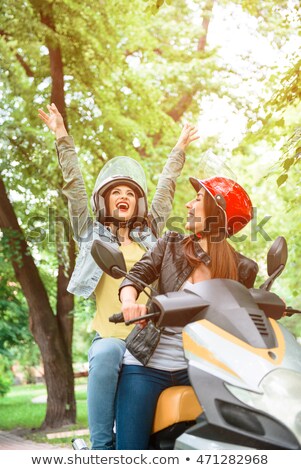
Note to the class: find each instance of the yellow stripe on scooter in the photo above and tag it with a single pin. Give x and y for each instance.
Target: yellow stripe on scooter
(199, 351)
(278, 351)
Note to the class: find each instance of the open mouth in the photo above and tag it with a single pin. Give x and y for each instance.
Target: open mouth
(122, 206)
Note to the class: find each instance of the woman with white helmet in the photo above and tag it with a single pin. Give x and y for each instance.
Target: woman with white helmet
(119, 203)
(220, 209)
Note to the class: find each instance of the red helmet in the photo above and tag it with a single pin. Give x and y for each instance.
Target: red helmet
(231, 198)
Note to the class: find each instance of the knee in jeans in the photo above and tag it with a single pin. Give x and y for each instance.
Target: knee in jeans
(106, 363)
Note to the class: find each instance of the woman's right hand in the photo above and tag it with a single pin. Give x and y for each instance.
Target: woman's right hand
(188, 134)
(54, 120)
(132, 310)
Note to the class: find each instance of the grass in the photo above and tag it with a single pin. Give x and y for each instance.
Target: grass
(18, 413)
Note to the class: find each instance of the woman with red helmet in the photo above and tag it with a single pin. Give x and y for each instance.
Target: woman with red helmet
(220, 209)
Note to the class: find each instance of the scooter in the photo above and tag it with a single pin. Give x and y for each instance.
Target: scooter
(243, 365)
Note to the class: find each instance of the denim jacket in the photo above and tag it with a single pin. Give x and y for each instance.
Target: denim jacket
(87, 274)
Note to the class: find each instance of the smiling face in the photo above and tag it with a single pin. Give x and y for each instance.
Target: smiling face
(122, 202)
(196, 213)
(206, 217)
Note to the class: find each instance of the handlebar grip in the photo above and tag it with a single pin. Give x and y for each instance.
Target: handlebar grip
(116, 318)
(289, 311)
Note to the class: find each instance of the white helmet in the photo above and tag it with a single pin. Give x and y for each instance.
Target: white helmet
(120, 170)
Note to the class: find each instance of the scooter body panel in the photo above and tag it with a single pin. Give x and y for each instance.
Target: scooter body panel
(249, 389)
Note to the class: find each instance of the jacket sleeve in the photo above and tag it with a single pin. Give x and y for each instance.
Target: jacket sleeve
(247, 270)
(74, 188)
(149, 267)
(161, 205)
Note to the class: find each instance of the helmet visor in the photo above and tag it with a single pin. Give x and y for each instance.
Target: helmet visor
(118, 168)
(211, 165)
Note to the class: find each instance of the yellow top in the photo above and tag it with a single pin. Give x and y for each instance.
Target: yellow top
(107, 301)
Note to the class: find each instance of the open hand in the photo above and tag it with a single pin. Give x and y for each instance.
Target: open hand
(189, 134)
(54, 120)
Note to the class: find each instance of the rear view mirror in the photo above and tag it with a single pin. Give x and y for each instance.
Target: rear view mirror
(108, 258)
(276, 261)
(277, 256)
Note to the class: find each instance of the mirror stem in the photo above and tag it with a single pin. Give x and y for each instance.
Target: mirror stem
(135, 280)
(269, 282)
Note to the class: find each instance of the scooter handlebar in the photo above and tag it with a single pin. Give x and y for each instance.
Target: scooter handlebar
(116, 318)
(289, 311)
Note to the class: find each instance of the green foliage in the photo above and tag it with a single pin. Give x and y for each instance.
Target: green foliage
(13, 314)
(293, 324)
(291, 154)
(271, 153)
(290, 91)
(16, 341)
(6, 377)
(11, 241)
(153, 6)
(84, 312)
(125, 72)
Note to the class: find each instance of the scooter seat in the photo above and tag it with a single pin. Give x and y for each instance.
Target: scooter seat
(176, 404)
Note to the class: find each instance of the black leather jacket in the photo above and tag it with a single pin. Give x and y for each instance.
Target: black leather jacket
(166, 263)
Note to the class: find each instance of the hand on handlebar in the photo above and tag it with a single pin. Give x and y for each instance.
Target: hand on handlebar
(132, 310)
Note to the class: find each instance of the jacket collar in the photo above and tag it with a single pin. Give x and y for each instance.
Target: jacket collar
(204, 257)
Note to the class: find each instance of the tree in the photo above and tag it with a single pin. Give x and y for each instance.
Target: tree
(124, 80)
(43, 323)
(274, 132)
(53, 330)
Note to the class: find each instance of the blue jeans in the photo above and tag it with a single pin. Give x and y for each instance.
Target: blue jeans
(138, 391)
(105, 361)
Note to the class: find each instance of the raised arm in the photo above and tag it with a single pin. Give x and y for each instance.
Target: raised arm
(163, 199)
(74, 187)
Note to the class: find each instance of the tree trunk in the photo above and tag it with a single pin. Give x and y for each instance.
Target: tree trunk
(182, 105)
(43, 323)
(205, 25)
(65, 300)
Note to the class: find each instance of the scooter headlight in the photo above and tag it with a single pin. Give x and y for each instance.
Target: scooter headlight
(280, 398)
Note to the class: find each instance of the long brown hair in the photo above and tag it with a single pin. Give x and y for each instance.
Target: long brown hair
(223, 257)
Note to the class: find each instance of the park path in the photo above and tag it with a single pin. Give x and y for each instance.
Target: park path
(9, 441)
